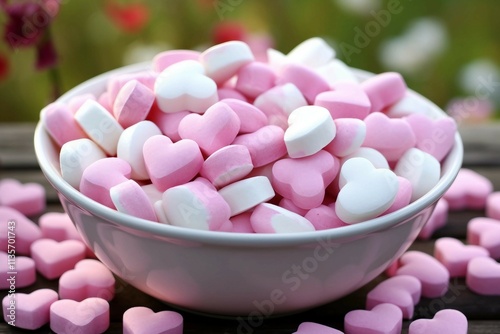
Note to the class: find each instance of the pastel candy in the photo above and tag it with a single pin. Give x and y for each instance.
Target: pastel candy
(345, 103)
(314, 328)
(171, 164)
(241, 223)
(485, 232)
(324, 217)
(404, 291)
(304, 180)
(245, 194)
(307, 80)
(115, 83)
(349, 136)
(310, 129)
(483, 276)
(312, 52)
(22, 266)
(251, 118)
(391, 137)
(270, 218)
(142, 320)
(255, 78)
(435, 137)
(430, 272)
(365, 191)
(279, 102)
(421, 169)
(53, 258)
(13, 223)
(89, 278)
(128, 197)
(265, 145)
(133, 103)
(31, 310)
(101, 175)
(336, 71)
(384, 89)
(130, 147)
(60, 123)
(58, 226)
(99, 125)
(384, 318)
(223, 61)
(75, 156)
(164, 59)
(197, 205)
(230, 93)
(88, 316)
(455, 256)
(470, 190)
(370, 154)
(288, 204)
(168, 123)
(403, 196)
(27, 198)
(160, 213)
(184, 86)
(408, 105)
(216, 128)
(447, 321)
(493, 205)
(226, 165)
(438, 219)
(76, 102)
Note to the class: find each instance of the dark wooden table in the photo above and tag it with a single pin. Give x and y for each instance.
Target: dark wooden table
(482, 153)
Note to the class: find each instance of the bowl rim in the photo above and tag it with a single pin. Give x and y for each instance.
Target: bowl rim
(453, 163)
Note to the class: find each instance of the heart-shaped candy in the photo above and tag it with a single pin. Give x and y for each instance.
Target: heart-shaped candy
(255, 78)
(314, 328)
(384, 89)
(230, 163)
(485, 232)
(251, 117)
(365, 192)
(349, 136)
(305, 79)
(27, 198)
(128, 197)
(455, 256)
(15, 226)
(265, 145)
(446, 321)
(324, 217)
(88, 316)
(470, 190)
(133, 103)
(345, 103)
(60, 123)
(54, 258)
(404, 291)
(16, 271)
(270, 218)
(382, 319)
(483, 276)
(164, 59)
(247, 193)
(142, 320)
(28, 311)
(58, 226)
(184, 86)
(312, 52)
(493, 205)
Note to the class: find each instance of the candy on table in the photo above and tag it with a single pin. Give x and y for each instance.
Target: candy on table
(455, 256)
(128, 197)
(53, 258)
(485, 232)
(142, 320)
(483, 276)
(470, 190)
(58, 226)
(245, 194)
(88, 316)
(27, 198)
(132, 103)
(315, 328)
(24, 268)
(60, 123)
(493, 205)
(438, 219)
(29, 311)
(403, 291)
(89, 278)
(447, 321)
(270, 218)
(384, 318)
(12, 222)
(349, 136)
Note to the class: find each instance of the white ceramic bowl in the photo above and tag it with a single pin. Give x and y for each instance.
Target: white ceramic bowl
(240, 274)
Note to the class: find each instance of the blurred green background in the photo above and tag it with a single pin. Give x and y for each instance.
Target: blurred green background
(446, 49)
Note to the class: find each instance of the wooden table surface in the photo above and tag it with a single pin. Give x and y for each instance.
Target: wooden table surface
(482, 153)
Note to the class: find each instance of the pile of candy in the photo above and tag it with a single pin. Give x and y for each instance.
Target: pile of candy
(218, 141)
(53, 248)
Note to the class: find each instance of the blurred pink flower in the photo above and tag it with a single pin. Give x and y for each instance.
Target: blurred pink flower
(130, 18)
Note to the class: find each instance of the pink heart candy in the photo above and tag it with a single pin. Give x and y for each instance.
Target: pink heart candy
(255, 78)
(314, 328)
(129, 198)
(229, 164)
(166, 58)
(345, 103)
(88, 316)
(438, 219)
(305, 79)
(58, 226)
(404, 291)
(265, 145)
(16, 271)
(384, 318)
(28, 198)
(469, 191)
(133, 103)
(251, 117)
(384, 90)
(324, 217)
(216, 128)
(403, 196)
(54, 258)
(493, 205)
(349, 137)
(60, 123)
(455, 256)
(483, 276)
(446, 321)
(304, 180)
(390, 136)
(17, 231)
(29, 311)
(89, 278)
(168, 123)
(435, 137)
(171, 164)
(270, 218)
(142, 320)
(429, 271)
(485, 232)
